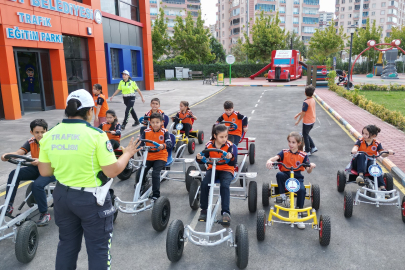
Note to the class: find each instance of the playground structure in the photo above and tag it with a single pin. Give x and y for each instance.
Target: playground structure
(378, 68)
(285, 65)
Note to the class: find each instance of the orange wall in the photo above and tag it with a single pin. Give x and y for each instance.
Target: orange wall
(61, 24)
(144, 12)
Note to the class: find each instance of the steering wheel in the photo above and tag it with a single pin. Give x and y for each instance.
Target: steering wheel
(155, 145)
(305, 165)
(144, 120)
(13, 159)
(206, 160)
(232, 126)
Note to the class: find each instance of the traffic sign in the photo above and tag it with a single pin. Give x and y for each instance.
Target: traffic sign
(324, 71)
(230, 59)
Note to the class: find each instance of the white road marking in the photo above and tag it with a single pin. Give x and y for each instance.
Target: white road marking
(253, 111)
(319, 121)
(249, 119)
(258, 101)
(260, 96)
(255, 105)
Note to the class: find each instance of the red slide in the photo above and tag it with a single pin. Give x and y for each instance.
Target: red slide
(260, 71)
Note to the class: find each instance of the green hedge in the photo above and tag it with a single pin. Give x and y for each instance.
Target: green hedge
(393, 117)
(373, 87)
(238, 70)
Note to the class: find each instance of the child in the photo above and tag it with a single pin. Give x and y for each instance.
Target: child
(308, 114)
(371, 146)
(235, 117)
(154, 104)
(112, 128)
(292, 158)
(219, 140)
(101, 106)
(187, 115)
(38, 128)
(157, 160)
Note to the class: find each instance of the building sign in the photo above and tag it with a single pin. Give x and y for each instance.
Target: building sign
(17, 33)
(283, 54)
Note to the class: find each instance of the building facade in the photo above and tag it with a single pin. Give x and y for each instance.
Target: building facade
(173, 8)
(325, 19)
(387, 14)
(298, 16)
(49, 48)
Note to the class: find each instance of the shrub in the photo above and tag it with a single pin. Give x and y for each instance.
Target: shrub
(373, 87)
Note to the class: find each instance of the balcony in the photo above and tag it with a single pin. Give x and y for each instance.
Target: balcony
(282, 1)
(296, 13)
(296, 22)
(282, 11)
(311, 2)
(194, 1)
(153, 1)
(296, 2)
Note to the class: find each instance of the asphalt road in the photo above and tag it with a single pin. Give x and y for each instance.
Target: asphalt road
(371, 239)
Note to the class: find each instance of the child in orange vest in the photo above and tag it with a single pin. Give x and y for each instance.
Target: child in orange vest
(155, 105)
(100, 105)
(234, 116)
(112, 128)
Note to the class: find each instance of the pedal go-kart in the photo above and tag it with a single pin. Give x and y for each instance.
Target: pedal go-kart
(178, 234)
(143, 201)
(181, 136)
(292, 186)
(370, 190)
(24, 230)
(249, 147)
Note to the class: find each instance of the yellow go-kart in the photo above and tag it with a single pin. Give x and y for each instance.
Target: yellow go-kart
(181, 137)
(292, 186)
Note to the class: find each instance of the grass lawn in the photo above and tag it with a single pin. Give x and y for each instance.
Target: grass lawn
(394, 100)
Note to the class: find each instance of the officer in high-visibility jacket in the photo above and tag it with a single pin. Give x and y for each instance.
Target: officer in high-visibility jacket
(82, 160)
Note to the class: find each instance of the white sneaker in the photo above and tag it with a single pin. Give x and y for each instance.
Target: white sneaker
(308, 153)
(300, 225)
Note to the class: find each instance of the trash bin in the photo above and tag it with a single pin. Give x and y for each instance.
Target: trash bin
(169, 74)
(179, 73)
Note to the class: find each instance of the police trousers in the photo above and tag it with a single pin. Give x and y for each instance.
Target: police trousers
(77, 214)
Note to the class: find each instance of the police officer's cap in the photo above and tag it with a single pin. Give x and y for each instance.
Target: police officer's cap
(125, 72)
(83, 96)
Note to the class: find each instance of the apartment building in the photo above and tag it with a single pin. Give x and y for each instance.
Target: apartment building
(325, 19)
(298, 16)
(173, 8)
(387, 14)
(212, 30)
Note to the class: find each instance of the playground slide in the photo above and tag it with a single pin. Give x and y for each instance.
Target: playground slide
(304, 66)
(260, 71)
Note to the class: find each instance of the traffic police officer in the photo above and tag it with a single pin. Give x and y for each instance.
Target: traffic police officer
(82, 159)
(128, 88)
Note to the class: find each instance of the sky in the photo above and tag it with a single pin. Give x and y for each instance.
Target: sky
(209, 9)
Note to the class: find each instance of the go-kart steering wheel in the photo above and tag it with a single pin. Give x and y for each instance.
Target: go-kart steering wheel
(144, 120)
(13, 159)
(305, 165)
(155, 145)
(206, 160)
(232, 126)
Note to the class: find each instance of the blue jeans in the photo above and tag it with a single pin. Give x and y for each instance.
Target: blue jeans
(282, 178)
(360, 164)
(225, 179)
(234, 139)
(38, 187)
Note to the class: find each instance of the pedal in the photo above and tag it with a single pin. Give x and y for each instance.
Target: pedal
(279, 200)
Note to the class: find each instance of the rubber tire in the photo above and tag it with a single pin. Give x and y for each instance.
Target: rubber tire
(244, 169)
(193, 189)
(242, 246)
(178, 144)
(200, 136)
(325, 231)
(252, 153)
(348, 204)
(341, 181)
(191, 146)
(113, 203)
(189, 179)
(288, 80)
(161, 204)
(389, 181)
(315, 196)
(174, 247)
(27, 230)
(260, 225)
(252, 197)
(31, 200)
(266, 194)
(125, 174)
(403, 210)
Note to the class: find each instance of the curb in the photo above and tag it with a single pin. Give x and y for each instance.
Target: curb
(387, 163)
(266, 85)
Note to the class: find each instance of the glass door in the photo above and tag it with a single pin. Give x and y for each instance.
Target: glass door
(48, 98)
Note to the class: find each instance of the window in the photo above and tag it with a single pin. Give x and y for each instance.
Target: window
(373, 6)
(295, 29)
(382, 20)
(342, 9)
(296, 11)
(128, 9)
(392, 11)
(350, 15)
(222, 7)
(349, 23)
(336, 23)
(383, 4)
(282, 10)
(337, 9)
(393, 3)
(341, 23)
(382, 12)
(392, 19)
(265, 7)
(350, 8)
(136, 65)
(365, 6)
(77, 63)
(222, 16)
(342, 16)
(236, 12)
(350, 1)
(337, 2)
(282, 19)
(222, 25)
(343, 1)
(372, 13)
(115, 63)
(389, 26)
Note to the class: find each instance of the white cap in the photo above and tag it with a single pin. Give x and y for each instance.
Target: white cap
(83, 96)
(125, 72)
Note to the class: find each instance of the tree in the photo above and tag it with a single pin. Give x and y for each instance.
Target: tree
(192, 40)
(266, 37)
(298, 44)
(325, 43)
(397, 33)
(238, 52)
(363, 35)
(160, 38)
(217, 50)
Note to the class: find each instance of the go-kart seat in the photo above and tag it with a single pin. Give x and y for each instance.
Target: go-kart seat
(235, 150)
(166, 119)
(356, 173)
(170, 150)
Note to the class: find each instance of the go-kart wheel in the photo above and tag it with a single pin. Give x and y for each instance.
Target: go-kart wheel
(261, 225)
(200, 137)
(315, 196)
(31, 200)
(389, 181)
(242, 246)
(189, 179)
(26, 244)
(348, 204)
(265, 194)
(113, 203)
(244, 170)
(174, 240)
(324, 230)
(177, 147)
(252, 196)
(161, 214)
(191, 146)
(126, 173)
(252, 153)
(192, 198)
(403, 209)
(341, 181)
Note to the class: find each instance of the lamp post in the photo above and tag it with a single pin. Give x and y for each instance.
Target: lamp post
(353, 29)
